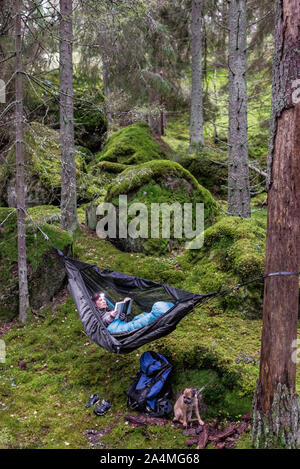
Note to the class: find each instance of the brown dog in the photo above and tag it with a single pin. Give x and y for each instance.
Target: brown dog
(186, 404)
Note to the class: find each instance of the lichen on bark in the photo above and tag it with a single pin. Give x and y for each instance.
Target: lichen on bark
(280, 427)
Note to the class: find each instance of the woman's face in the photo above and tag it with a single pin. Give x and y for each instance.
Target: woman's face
(101, 303)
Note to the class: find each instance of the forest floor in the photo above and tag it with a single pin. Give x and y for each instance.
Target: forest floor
(52, 367)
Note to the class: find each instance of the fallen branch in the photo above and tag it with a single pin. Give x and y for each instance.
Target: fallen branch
(203, 439)
(143, 420)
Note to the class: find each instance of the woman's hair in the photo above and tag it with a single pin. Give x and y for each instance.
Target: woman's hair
(96, 296)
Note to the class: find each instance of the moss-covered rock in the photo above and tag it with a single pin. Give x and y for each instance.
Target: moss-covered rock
(43, 170)
(90, 209)
(90, 124)
(209, 168)
(105, 171)
(158, 182)
(46, 274)
(233, 252)
(133, 145)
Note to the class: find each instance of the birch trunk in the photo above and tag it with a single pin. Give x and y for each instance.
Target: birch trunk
(238, 170)
(68, 171)
(20, 188)
(196, 120)
(276, 410)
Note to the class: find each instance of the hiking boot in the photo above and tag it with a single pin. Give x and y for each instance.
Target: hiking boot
(102, 408)
(94, 398)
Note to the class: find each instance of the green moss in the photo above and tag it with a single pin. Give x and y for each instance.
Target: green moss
(105, 171)
(90, 124)
(86, 152)
(245, 441)
(42, 154)
(160, 182)
(44, 273)
(5, 438)
(46, 407)
(259, 200)
(233, 252)
(45, 214)
(43, 168)
(133, 178)
(177, 134)
(132, 145)
(109, 167)
(209, 164)
(209, 168)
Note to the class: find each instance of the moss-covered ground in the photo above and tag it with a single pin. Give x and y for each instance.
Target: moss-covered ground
(52, 367)
(208, 164)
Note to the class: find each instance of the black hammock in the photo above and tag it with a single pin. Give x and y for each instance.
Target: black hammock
(86, 279)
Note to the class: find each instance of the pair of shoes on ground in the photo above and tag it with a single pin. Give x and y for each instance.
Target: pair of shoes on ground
(102, 408)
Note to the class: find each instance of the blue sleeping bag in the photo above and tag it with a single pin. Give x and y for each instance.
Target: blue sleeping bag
(143, 319)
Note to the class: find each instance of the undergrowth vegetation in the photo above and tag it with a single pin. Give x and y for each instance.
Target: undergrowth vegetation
(52, 367)
(45, 401)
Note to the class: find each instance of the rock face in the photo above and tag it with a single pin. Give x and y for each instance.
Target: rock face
(157, 182)
(43, 170)
(46, 274)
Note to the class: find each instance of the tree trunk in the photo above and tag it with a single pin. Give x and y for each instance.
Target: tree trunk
(196, 120)
(224, 15)
(68, 180)
(216, 104)
(276, 411)
(20, 188)
(238, 171)
(107, 94)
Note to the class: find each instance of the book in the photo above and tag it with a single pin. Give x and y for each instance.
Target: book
(123, 307)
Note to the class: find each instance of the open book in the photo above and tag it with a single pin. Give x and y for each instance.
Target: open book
(123, 307)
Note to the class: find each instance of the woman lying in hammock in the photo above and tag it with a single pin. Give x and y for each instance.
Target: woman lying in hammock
(120, 324)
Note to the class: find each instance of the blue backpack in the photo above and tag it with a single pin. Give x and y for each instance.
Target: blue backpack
(150, 391)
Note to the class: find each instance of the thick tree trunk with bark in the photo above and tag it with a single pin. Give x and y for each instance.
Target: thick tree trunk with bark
(20, 188)
(238, 170)
(68, 181)
(196, 120)
(276, 412)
